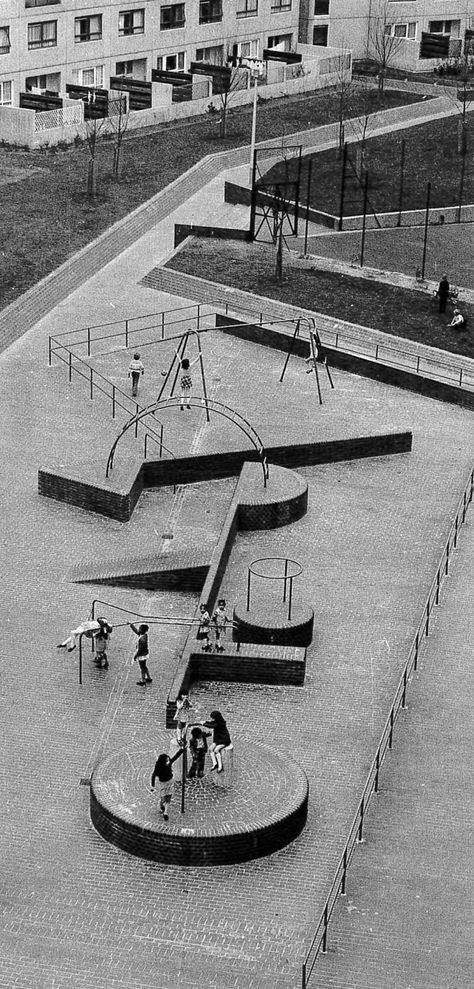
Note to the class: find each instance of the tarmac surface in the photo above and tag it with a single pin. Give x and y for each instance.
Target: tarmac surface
(75, 911)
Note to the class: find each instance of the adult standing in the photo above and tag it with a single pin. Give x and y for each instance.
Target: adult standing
(142, 653)
(443, 293)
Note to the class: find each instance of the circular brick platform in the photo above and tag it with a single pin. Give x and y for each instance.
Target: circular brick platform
(266, 625)
(257, 808)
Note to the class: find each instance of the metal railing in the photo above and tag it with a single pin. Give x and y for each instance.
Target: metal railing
(319, 941)
(119, 399)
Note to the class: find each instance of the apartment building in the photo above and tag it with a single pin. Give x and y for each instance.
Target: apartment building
(353, 24)
(45, 44)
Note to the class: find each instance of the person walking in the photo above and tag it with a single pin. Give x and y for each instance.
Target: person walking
(164, 774)
(142, 653)
(135, 370)
(443, 293)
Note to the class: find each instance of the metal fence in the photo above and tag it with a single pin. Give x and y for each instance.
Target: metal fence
(319, 941)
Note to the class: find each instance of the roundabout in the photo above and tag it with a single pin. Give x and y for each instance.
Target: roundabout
(252, 809)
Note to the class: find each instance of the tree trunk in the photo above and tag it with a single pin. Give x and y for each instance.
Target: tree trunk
(116, 162)
(92, 178)
(462, 137)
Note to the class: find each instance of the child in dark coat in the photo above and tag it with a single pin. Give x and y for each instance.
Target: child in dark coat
(198, 749)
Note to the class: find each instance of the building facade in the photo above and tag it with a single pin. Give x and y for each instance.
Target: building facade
(45, 44)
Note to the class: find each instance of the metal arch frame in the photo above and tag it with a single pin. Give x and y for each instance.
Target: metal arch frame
(196, 402)
(177, 357)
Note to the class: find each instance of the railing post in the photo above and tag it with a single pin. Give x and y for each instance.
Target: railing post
(456, 524)
(290, 596)
(162, 326)
(427, 624)
(49, 351)
(325, 934)
(91, 382)
(438, 584)
(344, 873)
(464, 508)
(417, 646)
(126, 333)
(88, 341)
(460, 378)
(418, 364)
(446, 569)
(336, 342)
(198, 321)
(161, 441)
(303, 976)
(136, 421)
(390, 737)
(70, 365)
(145, 446)
(248, 590)
(377, 770)
(361, 825)
(377, 352)
(113, 401)
(404, 695)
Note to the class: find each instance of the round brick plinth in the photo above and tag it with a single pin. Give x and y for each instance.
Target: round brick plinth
(267, 627)
(252, 810)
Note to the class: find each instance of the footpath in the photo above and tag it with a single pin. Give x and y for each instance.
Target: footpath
(407, 919)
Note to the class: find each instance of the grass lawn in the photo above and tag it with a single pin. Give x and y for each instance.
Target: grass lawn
(47, 217)
(430, 156)
(388, 308)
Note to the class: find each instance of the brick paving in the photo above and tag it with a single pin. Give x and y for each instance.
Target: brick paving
(76, 912)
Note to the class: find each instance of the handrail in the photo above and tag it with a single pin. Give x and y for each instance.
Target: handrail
(319, 940)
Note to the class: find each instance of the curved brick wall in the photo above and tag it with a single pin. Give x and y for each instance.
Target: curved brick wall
(273, 631)
(253, 810)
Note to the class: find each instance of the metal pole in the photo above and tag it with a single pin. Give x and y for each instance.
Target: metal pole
(400, 190)
(49, 351)
(80, 659)
(113, 401)
(184, 774)
(248, 590)
(289, 599)
(364, 218)
(290, 350)
(308, 189)
(92, 394)
(70, 365)
(425, 238)
(284, 581)
(254, 129)
(203, 376)
(88, 341)
(126, 332)
(343, 183)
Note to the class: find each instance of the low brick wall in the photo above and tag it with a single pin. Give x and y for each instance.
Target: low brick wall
(93, 497)
(265, 663)
(251, 627)
(183, 230)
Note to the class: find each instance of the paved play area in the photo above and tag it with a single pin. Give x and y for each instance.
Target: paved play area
(78, 912)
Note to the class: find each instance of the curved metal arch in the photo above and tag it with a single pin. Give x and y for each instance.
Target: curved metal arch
(196, 402)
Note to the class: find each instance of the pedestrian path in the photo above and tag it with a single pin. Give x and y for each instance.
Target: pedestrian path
(407, 919)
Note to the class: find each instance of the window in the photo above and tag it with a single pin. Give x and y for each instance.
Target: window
(51, 82)
(402, 30)
(320, 34)
(172, 63)
(131, 22)
(88, 28)
(42, 35)
(249, 8)
(214, 55)
(93, 76)
(321, 7)
(40, 3)
(6, 93)
(279, 5)
(248, 49)
(135, 68)
(452, 28)
(172, 17)
(4, 40)
(281, 41)
(210, 11)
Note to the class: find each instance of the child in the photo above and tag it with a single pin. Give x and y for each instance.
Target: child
(164, 774)
(135, 370)
(183, 706)
(101, 639)
(220, 620)
(220, 739)
(142, 653)
(186, 382)
(198, 749)
(203, 630)
(86, 628)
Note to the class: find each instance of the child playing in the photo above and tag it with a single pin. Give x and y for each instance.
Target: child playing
(164, 774)
(203, 630)
(183, 707)
(198, 749)
(220, 739)
(219, 620)
(86, 628)
(142, 653)
(186, 382)
(135, 370)
(101, 640)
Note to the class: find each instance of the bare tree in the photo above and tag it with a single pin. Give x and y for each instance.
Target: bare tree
(344, 87)
(93, 127)
(229, 84)
(119, 115)
(382, 41)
